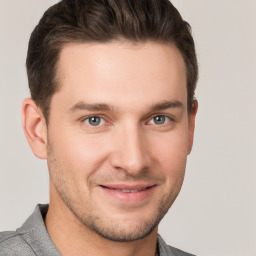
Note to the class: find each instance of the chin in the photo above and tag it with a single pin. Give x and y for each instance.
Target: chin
(118, 232)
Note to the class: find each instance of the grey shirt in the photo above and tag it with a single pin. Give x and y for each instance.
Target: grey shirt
(33, 239)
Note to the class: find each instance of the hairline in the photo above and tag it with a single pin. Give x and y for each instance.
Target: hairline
(120, 40)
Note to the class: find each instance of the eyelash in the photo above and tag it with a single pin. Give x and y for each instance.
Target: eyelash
(95, 116)
(165, 116)
(171, 119)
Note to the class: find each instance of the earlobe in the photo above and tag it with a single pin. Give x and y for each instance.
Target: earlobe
(191, 125)
(35, 128)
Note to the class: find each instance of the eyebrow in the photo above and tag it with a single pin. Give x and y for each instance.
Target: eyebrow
(90, 107)
(166, 105)
(106, 107)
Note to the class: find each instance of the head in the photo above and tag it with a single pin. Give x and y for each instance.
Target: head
(90, 21)
(112, 110)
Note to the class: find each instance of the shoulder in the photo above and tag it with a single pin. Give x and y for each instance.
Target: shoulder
(166, 250)
(12, 244)
(178, 252)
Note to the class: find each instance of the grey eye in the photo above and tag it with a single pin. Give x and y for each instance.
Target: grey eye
(94, 121)
(159, 120)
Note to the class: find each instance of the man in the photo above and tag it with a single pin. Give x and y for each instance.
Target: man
(112, 110)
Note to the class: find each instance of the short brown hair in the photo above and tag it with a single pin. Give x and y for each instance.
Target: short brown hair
(102, 21)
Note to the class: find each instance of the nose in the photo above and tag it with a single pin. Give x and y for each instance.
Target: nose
(129, 150)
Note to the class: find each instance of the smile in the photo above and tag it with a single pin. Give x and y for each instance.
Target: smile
(128, 194)
(128, 190)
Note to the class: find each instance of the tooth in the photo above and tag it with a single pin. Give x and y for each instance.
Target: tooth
(126, 190)
(131, 190)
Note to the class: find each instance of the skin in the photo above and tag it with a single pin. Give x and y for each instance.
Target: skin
(139, 138)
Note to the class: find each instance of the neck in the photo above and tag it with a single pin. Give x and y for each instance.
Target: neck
(65, 230)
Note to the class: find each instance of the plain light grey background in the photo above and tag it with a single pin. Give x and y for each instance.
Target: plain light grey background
(215, 213)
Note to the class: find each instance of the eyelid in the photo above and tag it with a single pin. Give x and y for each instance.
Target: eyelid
(102, 120)
(106, 122)
(170, 117)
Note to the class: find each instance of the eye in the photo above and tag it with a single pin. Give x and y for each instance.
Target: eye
(94, 121)
(160, 120)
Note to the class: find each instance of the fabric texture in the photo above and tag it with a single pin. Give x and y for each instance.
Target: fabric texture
(32, 239)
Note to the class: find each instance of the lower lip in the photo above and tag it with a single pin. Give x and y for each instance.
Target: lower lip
(129, 197)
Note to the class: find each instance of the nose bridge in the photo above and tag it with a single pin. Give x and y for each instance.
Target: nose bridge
(129, 152)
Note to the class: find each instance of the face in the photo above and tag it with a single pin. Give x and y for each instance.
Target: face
(119, 135)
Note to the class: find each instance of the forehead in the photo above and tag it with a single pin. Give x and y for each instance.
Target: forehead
(122, 72)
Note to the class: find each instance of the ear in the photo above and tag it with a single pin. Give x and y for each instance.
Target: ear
(35, 128)
(191, 124)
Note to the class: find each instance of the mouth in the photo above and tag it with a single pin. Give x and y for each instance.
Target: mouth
(128, 190)
(128, 194)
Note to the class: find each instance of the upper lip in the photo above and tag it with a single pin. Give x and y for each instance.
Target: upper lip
(128, 186)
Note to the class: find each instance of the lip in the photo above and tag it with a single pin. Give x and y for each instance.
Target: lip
(128, 193)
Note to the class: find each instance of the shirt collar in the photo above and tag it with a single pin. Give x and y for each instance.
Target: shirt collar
(35, 234)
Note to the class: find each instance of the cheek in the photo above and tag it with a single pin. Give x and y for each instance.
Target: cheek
(79, 153)
(169, 151)
(172, 145)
